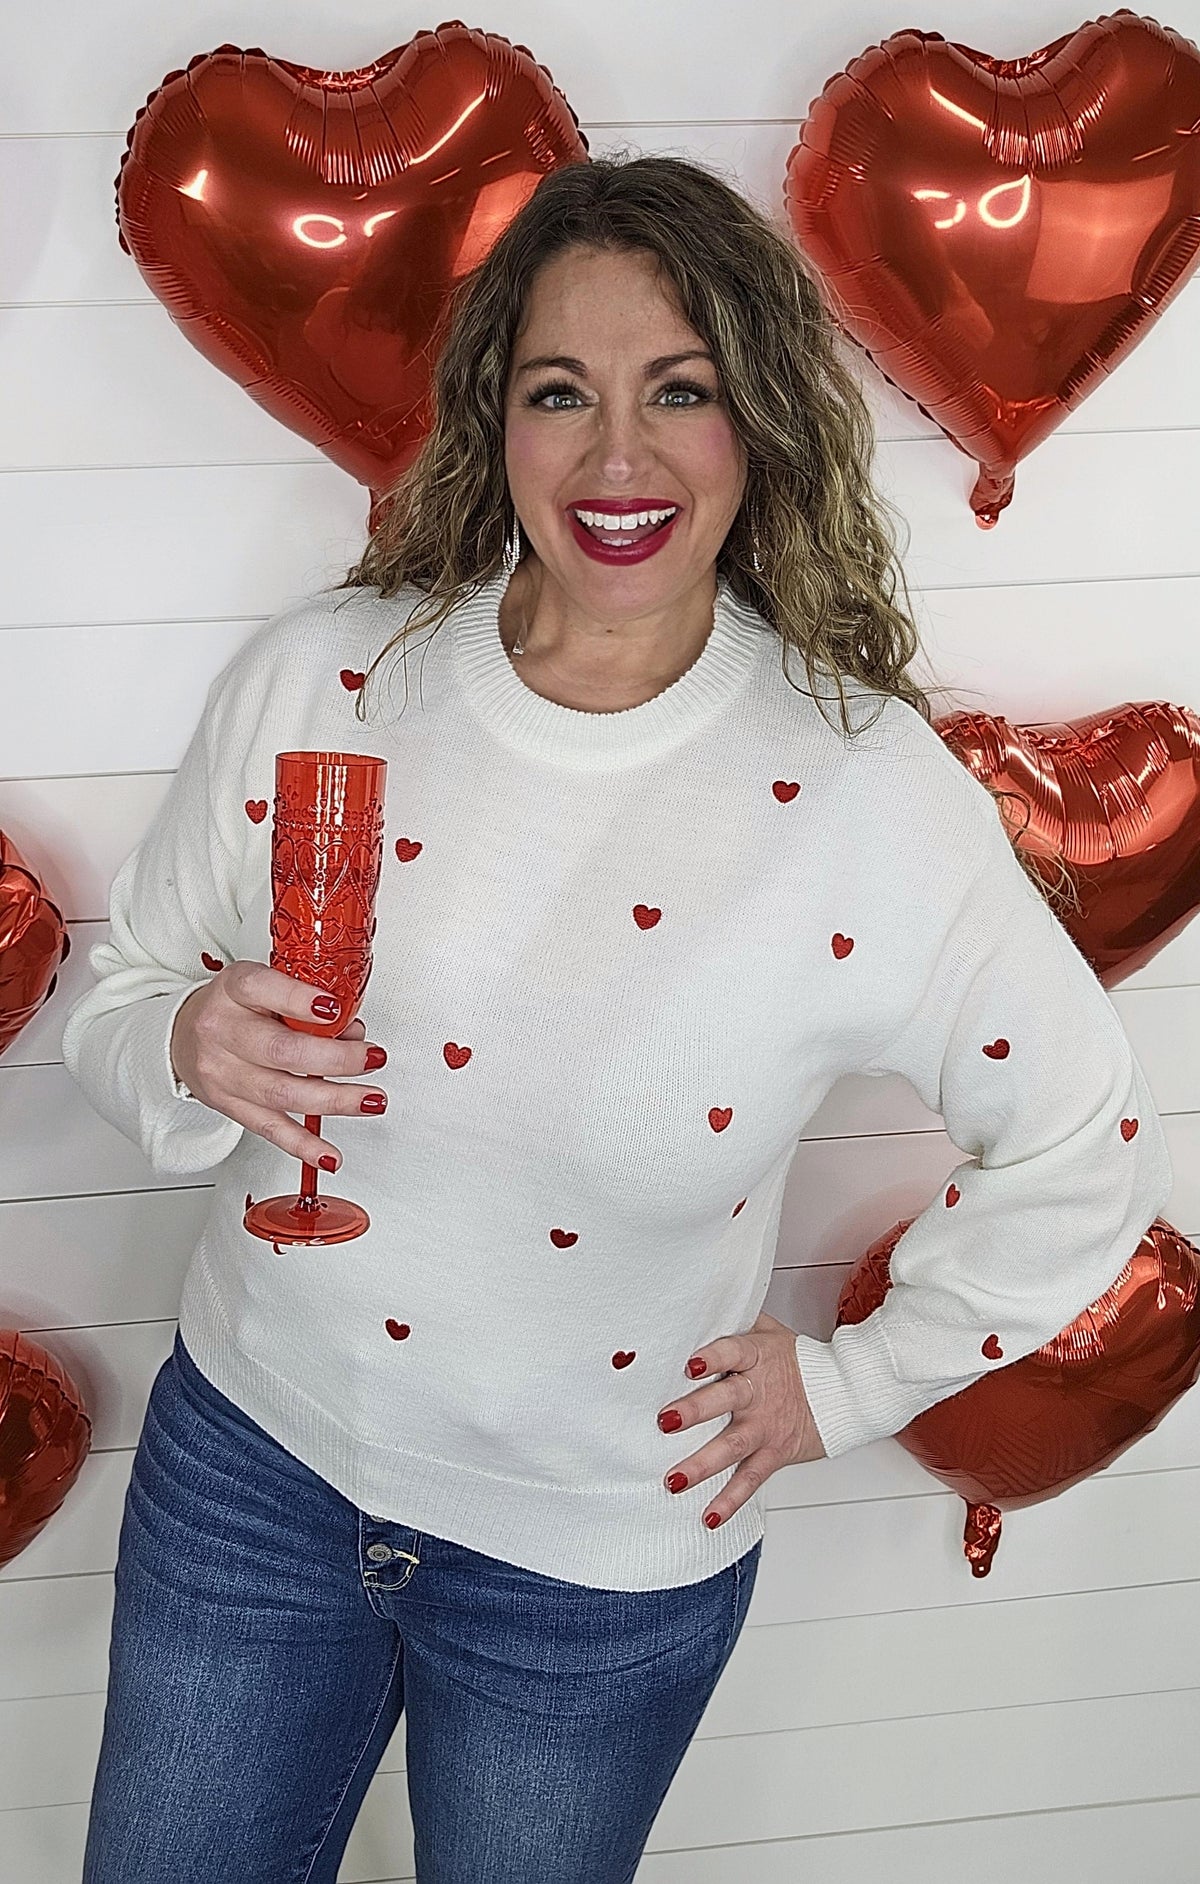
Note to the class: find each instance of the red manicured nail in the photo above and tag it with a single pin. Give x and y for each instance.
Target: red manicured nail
(712, 1520)
(670, 1421)
(696, 1367)
(326, 1007)
(376, 1057)
(328, 1162)
(677, 1481)
(374, 1102)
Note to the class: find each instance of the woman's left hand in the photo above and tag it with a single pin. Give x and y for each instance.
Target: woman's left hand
(772, 1424)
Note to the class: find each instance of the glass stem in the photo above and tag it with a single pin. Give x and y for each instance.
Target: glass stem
(308, 1172)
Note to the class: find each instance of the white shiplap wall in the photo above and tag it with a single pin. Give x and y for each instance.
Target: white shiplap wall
(884, 1713)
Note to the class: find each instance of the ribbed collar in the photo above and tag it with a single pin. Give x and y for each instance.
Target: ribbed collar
(600, 742)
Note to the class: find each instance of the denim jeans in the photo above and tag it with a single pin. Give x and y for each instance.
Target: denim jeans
(267, 1635)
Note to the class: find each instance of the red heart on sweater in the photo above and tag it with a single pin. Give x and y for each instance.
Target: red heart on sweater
(719, 1117)
(563, 1239)
(842, 945)
(1128, 1128)
(738, 1207)
(256, 808)
(399, 1330)
(352, 681)
(784, 792)
(645, 918)
(406, 850)
(455, 1056)
(211, 961)
(992, 1349)
(952, 1196)
(998, 1050)
(623, 1360)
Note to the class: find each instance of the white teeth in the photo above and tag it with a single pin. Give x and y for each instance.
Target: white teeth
(599, 520)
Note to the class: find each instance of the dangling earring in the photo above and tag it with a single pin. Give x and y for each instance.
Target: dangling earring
(754, 552)
(512, 556)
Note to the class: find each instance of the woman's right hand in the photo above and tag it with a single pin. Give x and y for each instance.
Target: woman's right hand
(232, 1051)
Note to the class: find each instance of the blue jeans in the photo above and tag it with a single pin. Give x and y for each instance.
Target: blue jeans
(267, 1635)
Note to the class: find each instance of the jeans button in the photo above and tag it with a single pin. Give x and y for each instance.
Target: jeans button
(379, 1553)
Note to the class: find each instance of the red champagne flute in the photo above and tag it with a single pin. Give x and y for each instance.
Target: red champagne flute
(326, 854)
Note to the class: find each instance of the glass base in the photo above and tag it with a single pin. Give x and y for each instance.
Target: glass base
(290, 1220)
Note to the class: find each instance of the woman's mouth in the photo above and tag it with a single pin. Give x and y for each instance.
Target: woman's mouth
(612, 537)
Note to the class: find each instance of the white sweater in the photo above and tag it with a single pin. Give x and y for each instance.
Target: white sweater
(656, 938)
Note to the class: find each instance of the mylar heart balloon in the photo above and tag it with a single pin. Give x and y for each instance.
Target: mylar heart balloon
(304, 229)
(1042, 1423)
(999, 233)
(1116, 796)
(34, 942)
(45, 1435)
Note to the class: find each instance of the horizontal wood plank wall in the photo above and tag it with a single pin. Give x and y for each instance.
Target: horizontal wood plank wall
(884, 1713)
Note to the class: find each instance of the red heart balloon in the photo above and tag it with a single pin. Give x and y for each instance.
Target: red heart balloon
(304, 229)
(45, 1435)
(34, 943)
(1116, 795)
(1042, 1423)
(999, 233)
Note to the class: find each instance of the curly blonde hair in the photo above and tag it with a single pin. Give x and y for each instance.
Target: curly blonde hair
(829, 570)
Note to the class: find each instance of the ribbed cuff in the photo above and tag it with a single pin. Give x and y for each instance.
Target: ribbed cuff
(853, 1390)
(186, 1136)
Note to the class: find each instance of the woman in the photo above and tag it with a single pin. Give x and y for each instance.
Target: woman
(645, 899)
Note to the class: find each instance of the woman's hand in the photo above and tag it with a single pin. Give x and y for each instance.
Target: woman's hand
(772, 1424)
(231, 1049)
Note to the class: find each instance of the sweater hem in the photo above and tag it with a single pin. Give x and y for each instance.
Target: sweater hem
(614, 1537)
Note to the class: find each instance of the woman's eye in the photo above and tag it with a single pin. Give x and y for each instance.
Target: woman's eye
(561, 390)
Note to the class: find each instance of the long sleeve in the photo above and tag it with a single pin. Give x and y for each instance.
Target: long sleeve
(173, 897)
(1015, 1042)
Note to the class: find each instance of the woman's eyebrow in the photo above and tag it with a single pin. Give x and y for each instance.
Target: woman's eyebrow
(651, 368)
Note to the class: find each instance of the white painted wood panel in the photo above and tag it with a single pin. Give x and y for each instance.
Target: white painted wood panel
(117, 385)
(218, 541)
(675, 62)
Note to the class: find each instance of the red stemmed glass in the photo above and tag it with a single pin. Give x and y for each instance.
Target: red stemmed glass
(326, 855)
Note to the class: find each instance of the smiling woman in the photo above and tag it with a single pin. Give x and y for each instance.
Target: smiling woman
(643, 339)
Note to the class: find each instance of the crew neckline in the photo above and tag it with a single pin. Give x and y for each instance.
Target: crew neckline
(572, 736)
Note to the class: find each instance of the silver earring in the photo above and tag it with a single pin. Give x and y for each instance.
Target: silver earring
(754, 552)
(512, 549)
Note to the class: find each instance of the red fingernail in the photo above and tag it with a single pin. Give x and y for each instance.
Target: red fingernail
(325, 1007)
(374, 1102)
(696, 1366)
(670, 1421)
(376, 1057)
(677, 1481)
(712, 1520)
(327, 1163)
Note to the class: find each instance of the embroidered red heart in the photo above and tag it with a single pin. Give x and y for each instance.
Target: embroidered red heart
(623, 1360)
(406, 850)
(952, 1196)
(785, 792)
(256, 808)
(563, 1239)
(998, 1050)
(331, 215)
(1128, 1128)
(719, 1117)
(455, 1056)
(211, 961)
(399, 1330)
(738, 1207)
(992, 1349)
(645, 918)
(352, 681)
(842, 945)
(1116, 795)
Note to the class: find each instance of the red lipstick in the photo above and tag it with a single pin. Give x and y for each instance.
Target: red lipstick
(634, 552)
